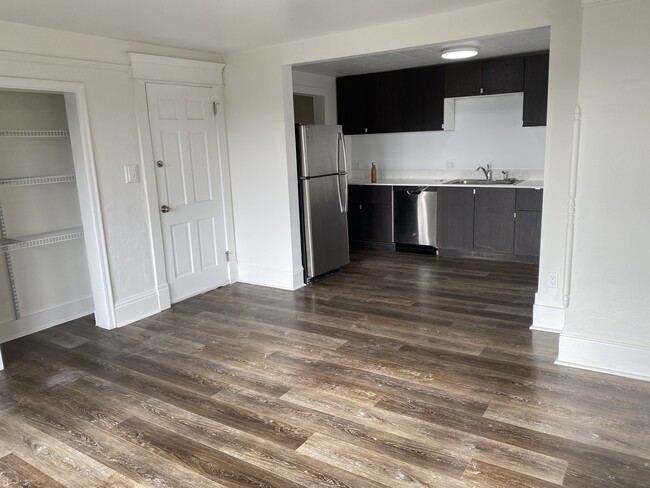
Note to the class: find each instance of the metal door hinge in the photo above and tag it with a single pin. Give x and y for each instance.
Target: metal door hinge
(214, 107)
(474, 191)
(228, 256)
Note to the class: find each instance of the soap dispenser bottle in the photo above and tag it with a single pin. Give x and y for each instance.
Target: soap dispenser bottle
(373, 173)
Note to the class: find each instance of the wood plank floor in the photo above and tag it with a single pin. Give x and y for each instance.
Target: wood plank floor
(402, 371)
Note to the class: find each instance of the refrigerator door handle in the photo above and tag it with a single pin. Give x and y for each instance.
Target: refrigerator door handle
(344, 207)
(345, 157)
(338, 187)
(341, 142)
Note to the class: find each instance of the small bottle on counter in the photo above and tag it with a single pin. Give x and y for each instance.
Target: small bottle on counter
(373, 173)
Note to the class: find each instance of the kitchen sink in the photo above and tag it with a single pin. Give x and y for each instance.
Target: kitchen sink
(509, 181)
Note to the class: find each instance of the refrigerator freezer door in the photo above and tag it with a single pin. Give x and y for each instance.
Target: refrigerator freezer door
(320, 150)
(326, 227)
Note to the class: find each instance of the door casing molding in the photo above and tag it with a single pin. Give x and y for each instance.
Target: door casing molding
(149, 69)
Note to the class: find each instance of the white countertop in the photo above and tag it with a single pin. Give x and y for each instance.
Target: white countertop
(429, 182)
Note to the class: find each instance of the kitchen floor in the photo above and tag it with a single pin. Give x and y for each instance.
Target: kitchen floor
(403, 370)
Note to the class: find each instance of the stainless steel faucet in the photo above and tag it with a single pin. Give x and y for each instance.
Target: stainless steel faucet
(487, 172)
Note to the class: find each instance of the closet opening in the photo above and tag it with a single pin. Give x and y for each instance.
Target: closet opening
(53, 263)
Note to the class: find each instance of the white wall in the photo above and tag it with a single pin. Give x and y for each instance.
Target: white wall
(256, 104)
(265, 168)
(102, 65)
(607, 324)
(488, 129)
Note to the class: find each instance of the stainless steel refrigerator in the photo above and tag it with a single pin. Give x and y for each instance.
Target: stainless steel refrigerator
(323, 185)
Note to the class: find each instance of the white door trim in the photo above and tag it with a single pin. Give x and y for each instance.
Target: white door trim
(160, 69)
(87, 188)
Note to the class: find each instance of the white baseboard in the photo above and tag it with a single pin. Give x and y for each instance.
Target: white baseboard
(604, 357)
(47, 318)
(136, 307)
(270, 276)
(233, 271)
(164, 297)
(548, 319)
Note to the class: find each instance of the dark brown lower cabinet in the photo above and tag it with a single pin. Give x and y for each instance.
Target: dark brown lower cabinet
(494, 219)
(528, 231)
(370, 215)
(355, 208)
(455, 218)
(493, 223)
(528, 224)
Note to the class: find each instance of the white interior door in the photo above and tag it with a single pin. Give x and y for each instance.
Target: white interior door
(188, 176)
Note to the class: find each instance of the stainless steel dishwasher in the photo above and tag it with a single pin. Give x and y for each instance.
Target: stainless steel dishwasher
(414, 215)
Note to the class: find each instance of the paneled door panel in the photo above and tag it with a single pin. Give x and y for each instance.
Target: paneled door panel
(188, 176)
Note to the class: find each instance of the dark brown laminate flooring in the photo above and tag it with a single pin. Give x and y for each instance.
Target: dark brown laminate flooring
(402, 371)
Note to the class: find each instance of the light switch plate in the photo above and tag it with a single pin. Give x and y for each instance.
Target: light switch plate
(131, 173)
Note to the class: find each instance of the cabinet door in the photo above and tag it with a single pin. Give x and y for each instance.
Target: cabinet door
(494, 219)
(528, 231)
(455, 218)
(355, 211)
(377, 215)
(378, 223)
(351, 103)
(463, 79)
(529, 199)
(505, 75)
(535, 90)
(424, 98)
(385, 112)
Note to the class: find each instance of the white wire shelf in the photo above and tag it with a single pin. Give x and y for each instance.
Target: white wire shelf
(24, 242)
(34, 133)
(36, 180)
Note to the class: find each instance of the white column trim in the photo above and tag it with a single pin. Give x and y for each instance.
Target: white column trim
(571, 210)
(548, 319)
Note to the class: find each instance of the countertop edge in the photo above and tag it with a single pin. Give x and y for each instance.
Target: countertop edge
(523, 184)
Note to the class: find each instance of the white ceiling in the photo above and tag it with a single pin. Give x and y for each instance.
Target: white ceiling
(524, 41)
(218, 25)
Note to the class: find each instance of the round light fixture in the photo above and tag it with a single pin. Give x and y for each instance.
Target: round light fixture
(463, 52)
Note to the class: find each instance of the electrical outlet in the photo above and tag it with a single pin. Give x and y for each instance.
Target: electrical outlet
(355, 164)
(552, 280)
(451, 163)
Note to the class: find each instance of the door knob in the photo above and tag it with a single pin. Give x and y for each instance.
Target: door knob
(159, 163)
(165, 209)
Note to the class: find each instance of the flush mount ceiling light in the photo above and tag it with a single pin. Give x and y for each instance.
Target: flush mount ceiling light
(460, 52)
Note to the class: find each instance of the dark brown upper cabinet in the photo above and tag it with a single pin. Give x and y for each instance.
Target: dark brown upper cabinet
(464, 79)
(535, 89)
(503, 75)
(393, 101)
(385, 112)
(351, 103)
(412, 100)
